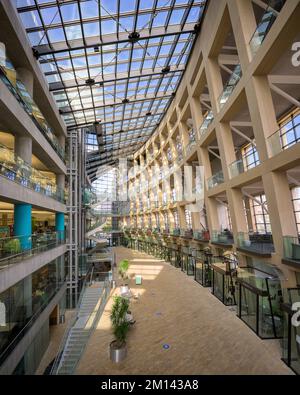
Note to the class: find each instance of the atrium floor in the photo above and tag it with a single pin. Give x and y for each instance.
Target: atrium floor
(203, 335)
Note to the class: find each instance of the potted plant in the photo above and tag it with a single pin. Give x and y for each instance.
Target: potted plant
(120, 326)
(123, 268)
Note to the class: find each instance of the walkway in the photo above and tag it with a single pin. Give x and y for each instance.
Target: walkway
(204, 336)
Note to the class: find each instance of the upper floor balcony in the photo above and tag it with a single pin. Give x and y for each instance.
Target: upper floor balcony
(215, 180)
(17, 248)
(15, 169)
(248, 160)
(230, 85)
(8, 75)
(287, 135)
(291, 251)
(206, 122)
(256, 243)
(265, 24)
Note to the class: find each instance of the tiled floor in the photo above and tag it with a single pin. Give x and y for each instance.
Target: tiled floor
(204, 336)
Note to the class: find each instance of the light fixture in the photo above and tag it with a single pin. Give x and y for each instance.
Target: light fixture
(166, 70)
(90, 81)
(96, 48)
(197, 27)
(125, 101)
(134, 37)
(35, 53)
(149, 113)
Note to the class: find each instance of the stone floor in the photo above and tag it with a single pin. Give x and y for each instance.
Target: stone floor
(204, 336)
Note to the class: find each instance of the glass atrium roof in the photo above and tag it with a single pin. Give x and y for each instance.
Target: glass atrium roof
(116, 62)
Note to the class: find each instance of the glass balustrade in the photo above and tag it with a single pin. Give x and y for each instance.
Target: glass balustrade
(215, 180)
(201, 235)
(244, 164)
(8, 75)
(230, 85)
(222, 237)
(291, 249)
(203, 270)
(259, 301)
(265, 25)
(223, 281)
(206, 122)
(260, 244)
(15, 169)
(286, 136)
(15, 249)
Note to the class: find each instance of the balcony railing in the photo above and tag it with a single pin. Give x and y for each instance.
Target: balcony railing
(261, 244)
(230, 85)
(265, 25)
(215, 180)
(244, 164)
(286, 136)
(16, 87)
(291, 248)
(202, 235)
(15, 169)
(206, 122)
(15, 249)
(222, 237)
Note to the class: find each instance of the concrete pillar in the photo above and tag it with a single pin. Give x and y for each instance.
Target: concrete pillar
(280, 208)
(214, 82)
(60, 225)
(26, 77)
(243, 25)
(226, 147)
(23, 148)
(237, 212)
(22, 212)
(262, 114)
(28, 296)
(22, 224)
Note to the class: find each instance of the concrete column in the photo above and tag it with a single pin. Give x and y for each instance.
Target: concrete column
(22, 212)
(28, 296)
(237, 212)
(248, 214)
(243, 25)
(262, 114)
(23, 148)
(26, 77)
(280, 208)
(226, 147)
(60, 225)
(181, 217)
(214, 82)
(22, 224)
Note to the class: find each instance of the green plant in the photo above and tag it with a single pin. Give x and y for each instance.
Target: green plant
(123, 268)
(118, 319)
(12, 246)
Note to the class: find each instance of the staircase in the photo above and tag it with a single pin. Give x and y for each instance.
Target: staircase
(88, 312)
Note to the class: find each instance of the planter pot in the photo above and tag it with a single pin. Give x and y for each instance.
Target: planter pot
(124, 289)
(117, 355)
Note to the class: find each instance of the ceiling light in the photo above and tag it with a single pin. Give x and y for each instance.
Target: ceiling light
(96, 48)
(149, 113)
(197, 28)
(35, 53)
(134, 37)
(125, 101)
(90, 81)
(166, 70)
